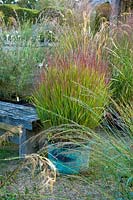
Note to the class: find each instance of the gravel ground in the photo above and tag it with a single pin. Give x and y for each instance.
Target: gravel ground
(65, 188)
(73, 189)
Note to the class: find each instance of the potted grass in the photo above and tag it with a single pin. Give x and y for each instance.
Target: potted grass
(69, 96)
(73, 90)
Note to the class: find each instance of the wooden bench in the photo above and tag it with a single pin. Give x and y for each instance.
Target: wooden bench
(19, 115)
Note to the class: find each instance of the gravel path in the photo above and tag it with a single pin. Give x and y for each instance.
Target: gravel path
(65, 188)
(70, 188)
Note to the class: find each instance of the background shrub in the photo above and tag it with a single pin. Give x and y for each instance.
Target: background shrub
(102, 14)
(18, 67)
(21, 14)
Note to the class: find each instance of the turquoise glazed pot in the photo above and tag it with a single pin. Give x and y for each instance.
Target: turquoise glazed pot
(69, 158)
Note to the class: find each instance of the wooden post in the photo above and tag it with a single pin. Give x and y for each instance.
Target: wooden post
(22, 144)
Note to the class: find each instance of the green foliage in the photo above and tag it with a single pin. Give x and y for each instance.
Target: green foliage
(18, 67)
(52, 13)
(58, 4)
(54, 9)
(24, 14)
(8, 151)
(121, 60)
(75, 79)
(114, 159)
(71, 94)
(125, 111)
(21, 14)
(110, 169)
(20, 56)
(74, 90)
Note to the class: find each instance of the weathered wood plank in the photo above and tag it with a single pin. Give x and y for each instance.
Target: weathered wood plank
(15, 114)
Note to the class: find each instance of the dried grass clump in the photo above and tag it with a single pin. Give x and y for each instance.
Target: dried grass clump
(46, 170)
(42, 172)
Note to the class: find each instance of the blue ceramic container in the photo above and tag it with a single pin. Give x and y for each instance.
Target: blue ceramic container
(69, 158)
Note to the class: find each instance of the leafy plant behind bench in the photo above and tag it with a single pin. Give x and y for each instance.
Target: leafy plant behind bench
(18, 67)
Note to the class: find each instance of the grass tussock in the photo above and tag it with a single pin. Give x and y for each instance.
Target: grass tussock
(33, 167)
